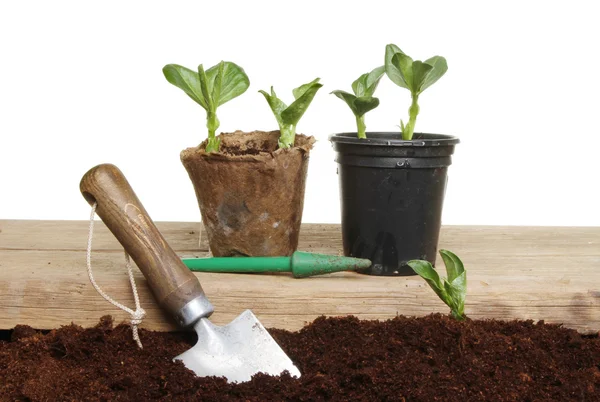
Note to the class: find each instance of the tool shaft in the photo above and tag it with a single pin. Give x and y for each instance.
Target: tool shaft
(239, 264)
(300, 264)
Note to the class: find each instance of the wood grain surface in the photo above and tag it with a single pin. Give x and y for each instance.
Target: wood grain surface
(549, 273)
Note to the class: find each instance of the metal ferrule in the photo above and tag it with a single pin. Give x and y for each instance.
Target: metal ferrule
(194, 310)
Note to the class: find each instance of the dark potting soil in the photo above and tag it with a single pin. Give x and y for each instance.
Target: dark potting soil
(343, 359)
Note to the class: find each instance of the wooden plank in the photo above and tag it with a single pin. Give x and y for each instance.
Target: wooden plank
(72, 235)
(326, 238)
(535, 273)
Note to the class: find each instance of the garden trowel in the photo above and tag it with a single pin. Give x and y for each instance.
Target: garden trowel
(237, 350)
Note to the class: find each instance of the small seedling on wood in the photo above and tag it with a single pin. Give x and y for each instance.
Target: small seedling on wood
(451, 290)
(210, 89)
(363, 100)
(288, 116)
(416, 76)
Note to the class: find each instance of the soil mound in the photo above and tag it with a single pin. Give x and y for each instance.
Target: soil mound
(341, 359)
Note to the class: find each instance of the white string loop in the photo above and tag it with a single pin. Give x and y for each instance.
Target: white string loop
(139, 313)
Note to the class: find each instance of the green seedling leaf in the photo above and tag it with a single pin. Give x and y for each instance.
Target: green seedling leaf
(373, 80)
(217, 81)
(425, 270)
(393, 72)
(359, 87)
(439, 69)
(234, 81)
(276, 104)
(363, 100)
(456, 291)
(186, 80)
(288, 116)
(304, 96)
(454, 266)
(365, 104)
(404, 65)
(358, 105)
(301, 90)
(346, 97)
(206, 87)
(451, 291)
(367, 83)
(210, 89)
(416, 76)
(420, 71)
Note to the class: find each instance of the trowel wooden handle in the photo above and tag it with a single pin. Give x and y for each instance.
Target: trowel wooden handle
(173, 285)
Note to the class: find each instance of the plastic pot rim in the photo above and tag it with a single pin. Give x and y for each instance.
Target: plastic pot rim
(394, 139)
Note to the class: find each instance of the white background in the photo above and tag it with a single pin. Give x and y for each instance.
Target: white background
(81, 84)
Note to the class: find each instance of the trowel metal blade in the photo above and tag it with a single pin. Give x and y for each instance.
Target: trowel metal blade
(236, 351)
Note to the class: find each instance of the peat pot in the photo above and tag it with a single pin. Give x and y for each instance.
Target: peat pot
(392, 193)
(250, 194)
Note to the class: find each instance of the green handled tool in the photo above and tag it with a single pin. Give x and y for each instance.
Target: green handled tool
(300, 264)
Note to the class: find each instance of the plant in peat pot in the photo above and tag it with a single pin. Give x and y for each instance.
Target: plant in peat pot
(210, 89)
(288, 116)
(249, 186)
(392, 184)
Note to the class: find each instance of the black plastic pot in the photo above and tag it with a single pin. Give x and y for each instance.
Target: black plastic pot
(392, 193)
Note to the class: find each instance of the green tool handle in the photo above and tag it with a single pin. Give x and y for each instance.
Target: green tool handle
(300, 264)
(239, 264)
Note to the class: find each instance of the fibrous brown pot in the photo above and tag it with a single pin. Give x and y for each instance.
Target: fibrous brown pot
(250, 194)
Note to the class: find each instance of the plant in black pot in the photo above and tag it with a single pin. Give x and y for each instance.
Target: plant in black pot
(392, 184)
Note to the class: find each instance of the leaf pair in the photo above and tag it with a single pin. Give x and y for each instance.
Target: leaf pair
(364, 87)
(288, 116)
(451, 290)
(415, 75)
(210, 88)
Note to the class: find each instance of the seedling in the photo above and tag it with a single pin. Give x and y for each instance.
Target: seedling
(363, 100)
(210, 89)
(416, 76)
(451, 290)
(288, 116)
